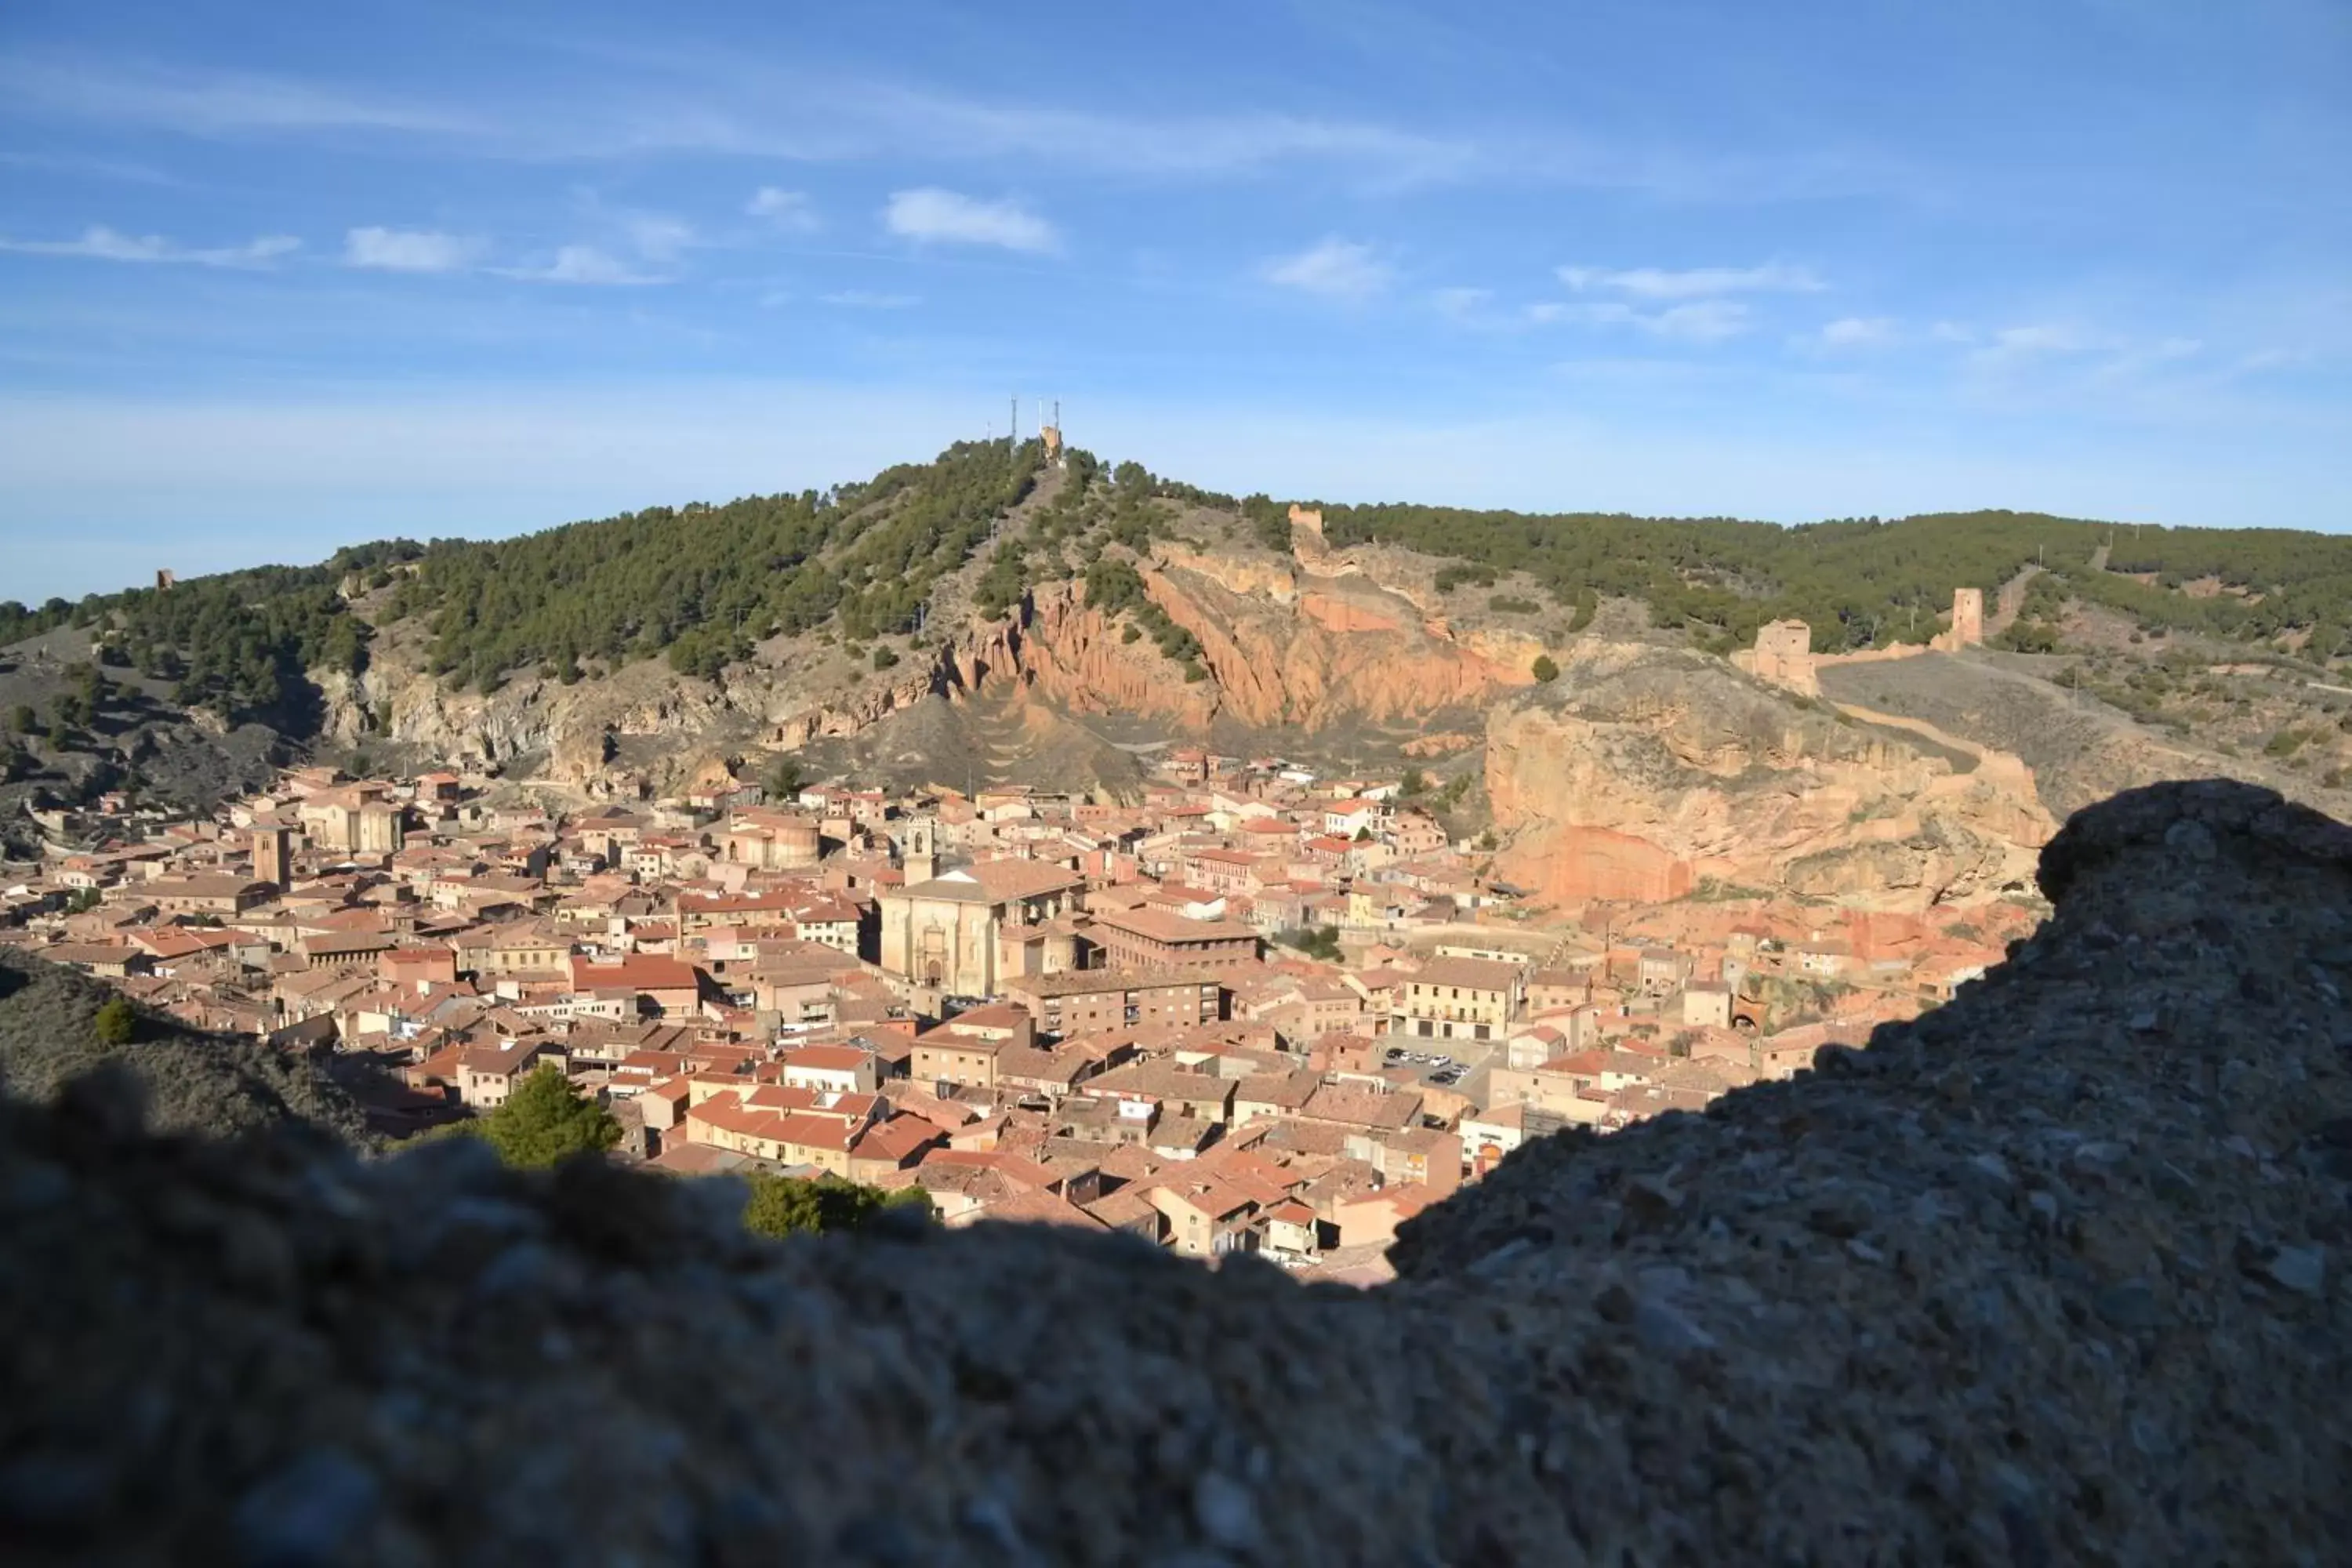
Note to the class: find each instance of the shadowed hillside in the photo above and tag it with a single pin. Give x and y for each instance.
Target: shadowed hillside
(219, 1085)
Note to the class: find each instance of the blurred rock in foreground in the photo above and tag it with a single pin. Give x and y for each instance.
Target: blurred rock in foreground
(2055, 1274)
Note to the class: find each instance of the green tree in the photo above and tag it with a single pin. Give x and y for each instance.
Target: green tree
(1543, 669)
(786, 1205)
(787, 776)
(1316, 941)
(546, 1118)
(23, 720)
(884, 658)
(1415, 783)
(117, 1022)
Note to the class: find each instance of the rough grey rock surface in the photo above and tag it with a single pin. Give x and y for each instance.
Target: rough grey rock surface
(2054, 1274)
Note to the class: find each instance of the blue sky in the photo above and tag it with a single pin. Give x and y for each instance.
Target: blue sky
(274, 279)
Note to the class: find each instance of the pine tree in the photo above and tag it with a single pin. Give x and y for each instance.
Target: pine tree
(546, 1118)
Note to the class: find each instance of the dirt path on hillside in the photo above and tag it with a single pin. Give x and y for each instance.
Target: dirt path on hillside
(2010, 601)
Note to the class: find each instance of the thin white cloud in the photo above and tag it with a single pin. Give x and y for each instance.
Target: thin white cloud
(1694, 283)
(658, 236)
(1702, 321)
(2009, 347)
(931, 215)
(409, 250)
(860, 300)
(1337, 268)
(1699, 321)
(2273, 359)
(1857, 333)
(1466, 305)
(100, 243)
(583, 264)
(675, 100)
(788, 210)
(207, 103)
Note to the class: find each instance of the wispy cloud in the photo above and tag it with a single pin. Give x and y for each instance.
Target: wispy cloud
(658, 236)
(103, 243)
(688, 100)
(1698, 322)
(409, 250)
(1337, 268)
(860, 300)
(1467, 305)
(89, 168)
(584, 264)
(1698, 283)
(1857, 333)
(788, 210)
(2007, 347)
(933, 216)
(207, 103)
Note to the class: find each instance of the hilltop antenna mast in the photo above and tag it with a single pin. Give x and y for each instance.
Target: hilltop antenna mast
(1013, 431)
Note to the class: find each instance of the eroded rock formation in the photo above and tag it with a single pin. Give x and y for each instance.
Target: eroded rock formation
(2055, 1274)
(1648, 772)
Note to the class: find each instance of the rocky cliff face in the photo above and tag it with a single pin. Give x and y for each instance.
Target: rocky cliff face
(1282, 649)
(1646, 771)
(789, 698)
(2055, 1274)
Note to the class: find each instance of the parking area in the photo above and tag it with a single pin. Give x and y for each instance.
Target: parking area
(1456, 1065)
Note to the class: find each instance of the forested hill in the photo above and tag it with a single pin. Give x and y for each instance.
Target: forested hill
(1864, 582)
(699, 583)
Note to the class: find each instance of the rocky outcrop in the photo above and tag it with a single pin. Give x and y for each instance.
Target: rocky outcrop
(1646, 773)
(1279, 652)
(2055, 1274)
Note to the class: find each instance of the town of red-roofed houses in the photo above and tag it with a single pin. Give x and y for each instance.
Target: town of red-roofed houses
(1258, 1010)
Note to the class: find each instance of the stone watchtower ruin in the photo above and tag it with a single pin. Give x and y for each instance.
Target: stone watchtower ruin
(1968, 615)
(1968, 622)
(1306, 529)
(1783, 654)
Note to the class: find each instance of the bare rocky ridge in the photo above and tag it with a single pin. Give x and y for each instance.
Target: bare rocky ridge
(2056, 1273)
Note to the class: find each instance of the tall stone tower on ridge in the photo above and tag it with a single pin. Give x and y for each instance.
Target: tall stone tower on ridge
(1968, 617)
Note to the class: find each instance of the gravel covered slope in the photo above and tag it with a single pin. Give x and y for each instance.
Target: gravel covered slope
(2055, 1274)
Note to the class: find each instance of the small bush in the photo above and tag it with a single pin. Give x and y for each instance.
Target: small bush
(1543, 669)
(115, 1022)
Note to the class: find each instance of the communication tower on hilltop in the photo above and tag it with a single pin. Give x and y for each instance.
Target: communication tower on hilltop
(1050, 436)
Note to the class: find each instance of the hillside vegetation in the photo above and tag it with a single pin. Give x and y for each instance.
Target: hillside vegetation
(700, 584)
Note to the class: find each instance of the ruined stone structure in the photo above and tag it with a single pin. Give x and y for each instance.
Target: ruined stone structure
(1307, 526)
(165, 579)
(1050, 437)
(1967, 629)
(1783, 654)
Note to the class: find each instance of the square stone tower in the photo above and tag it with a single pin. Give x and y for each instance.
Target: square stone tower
(1968, 617)
(269, 855)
